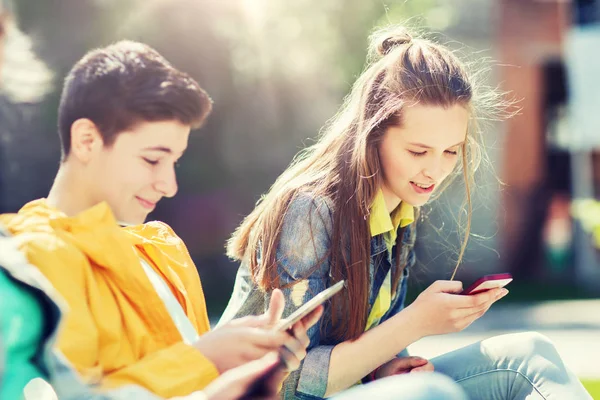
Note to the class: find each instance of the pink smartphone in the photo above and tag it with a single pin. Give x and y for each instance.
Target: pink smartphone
(488, 282)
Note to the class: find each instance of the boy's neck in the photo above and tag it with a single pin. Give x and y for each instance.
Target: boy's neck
(68, 193)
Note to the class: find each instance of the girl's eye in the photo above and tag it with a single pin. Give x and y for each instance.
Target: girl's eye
(452, 152)
(151, 162)
(416, 154)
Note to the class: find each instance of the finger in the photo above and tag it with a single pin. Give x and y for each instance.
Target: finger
(299, 332)
(489, 296)
(400, 371)
(493, 297)
(479, 312)
(479, 299)
(297, 352)
(424, 368)
(503, 292)
(463, 317)
(294, 346)
(313, 317)
(290, 359)
(250, 321)
(260, 343)
(446, 287)
(276, 306)
(266, 339)
(251, 353)
(406, 363)
(415, 362)
(469, 315)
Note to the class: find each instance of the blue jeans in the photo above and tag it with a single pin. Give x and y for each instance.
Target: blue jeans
(512, 367)
(417, 386)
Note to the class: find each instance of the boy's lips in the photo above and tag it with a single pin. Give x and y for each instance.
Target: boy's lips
(146, 203)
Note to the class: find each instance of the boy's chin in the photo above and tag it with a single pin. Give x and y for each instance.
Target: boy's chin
(132, 220)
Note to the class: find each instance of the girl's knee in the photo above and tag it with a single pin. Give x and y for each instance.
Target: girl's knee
(530, 343)
(533, 337)
(523, 347)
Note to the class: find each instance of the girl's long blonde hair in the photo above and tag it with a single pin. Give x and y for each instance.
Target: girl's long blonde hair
(343, 166)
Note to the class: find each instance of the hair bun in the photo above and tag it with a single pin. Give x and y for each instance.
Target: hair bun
(390, 42)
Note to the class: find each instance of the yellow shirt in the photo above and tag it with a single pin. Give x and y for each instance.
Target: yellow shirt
(118, 330)
(382, 222)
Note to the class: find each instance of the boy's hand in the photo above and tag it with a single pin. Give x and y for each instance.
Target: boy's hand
(250, 338)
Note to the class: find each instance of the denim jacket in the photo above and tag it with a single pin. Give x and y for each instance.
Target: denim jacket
(58, 371)
(298, 253)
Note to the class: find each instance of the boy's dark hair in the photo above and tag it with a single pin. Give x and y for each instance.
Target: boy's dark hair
(126, 83)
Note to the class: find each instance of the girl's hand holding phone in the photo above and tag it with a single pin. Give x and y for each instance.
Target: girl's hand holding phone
(442, 309)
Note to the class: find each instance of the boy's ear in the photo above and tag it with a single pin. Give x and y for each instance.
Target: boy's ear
(86, 139)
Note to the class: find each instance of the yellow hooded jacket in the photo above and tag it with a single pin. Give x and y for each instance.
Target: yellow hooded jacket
(118, 330)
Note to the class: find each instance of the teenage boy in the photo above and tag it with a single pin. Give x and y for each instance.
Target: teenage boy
(136, 308)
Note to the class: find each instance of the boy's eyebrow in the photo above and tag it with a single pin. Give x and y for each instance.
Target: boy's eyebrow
(162, 149)
(424, 146)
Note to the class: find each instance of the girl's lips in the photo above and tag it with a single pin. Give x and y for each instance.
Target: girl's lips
(421, 190)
